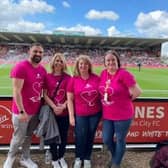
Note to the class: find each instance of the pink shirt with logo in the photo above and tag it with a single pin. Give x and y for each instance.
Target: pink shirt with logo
(51, 82)
(119, 104)
(32, 87)
(86, 95)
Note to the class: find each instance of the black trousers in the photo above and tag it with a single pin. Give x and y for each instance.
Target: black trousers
(58, 150)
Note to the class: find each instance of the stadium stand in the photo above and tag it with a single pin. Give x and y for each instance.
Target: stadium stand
(14, 53)
(132, 50)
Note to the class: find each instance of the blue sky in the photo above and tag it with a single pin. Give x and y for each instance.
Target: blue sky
(133, 18)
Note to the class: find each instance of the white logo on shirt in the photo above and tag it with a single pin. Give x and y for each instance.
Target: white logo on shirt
(110, 92)
(38, 76)
(60, 95)
(88, 85)
(89, 97)
(37, 90)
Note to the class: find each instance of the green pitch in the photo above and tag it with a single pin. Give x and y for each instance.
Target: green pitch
(153, 81)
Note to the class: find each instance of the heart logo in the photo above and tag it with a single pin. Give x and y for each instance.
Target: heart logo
(37, 87)
(89, 97)
(60, 96)
(110, 92)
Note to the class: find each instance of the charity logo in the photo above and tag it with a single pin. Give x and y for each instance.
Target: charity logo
(60, 96)
(37, 87)
(88, 85)
(38, 76)
(110, 92)
(89, 97)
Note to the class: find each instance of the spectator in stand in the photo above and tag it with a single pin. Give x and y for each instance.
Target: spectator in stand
(28, 80)
(55, 97)
(84, 109)
(118, 88)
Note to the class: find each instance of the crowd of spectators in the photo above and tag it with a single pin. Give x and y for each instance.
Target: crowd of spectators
(14, 53)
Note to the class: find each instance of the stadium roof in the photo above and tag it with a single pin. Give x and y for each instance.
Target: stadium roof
(12, 37)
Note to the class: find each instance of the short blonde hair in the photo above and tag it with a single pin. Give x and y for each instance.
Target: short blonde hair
(52, 63)
(85, 58)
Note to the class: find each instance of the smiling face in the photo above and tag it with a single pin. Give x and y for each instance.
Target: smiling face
(83, 66)
(58, 64)
(36, 54)
(111, 62)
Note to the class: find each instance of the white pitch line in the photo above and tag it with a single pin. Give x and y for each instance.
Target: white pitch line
(155, 91)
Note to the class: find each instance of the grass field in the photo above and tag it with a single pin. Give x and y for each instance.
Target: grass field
(153, 81)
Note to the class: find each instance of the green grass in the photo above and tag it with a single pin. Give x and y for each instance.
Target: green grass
(153, 81)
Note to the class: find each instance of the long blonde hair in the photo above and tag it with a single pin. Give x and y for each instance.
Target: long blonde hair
(61, 56)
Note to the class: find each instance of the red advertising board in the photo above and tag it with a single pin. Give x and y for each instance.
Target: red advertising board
(6, 127)
(149, 124)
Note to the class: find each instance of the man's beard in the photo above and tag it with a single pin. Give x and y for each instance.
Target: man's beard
(36, 59)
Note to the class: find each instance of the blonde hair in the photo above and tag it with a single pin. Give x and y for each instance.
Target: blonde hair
(86, 59)
(52, 63)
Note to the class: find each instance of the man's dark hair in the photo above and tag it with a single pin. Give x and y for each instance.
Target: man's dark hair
(36, 44)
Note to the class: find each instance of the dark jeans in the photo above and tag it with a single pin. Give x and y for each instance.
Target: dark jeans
(116, 147)
(58, 150)
(85, 128)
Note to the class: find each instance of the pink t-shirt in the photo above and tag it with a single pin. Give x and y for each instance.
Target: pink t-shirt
(51, 82)
(32, 87)
(86, 95)
(119, 104)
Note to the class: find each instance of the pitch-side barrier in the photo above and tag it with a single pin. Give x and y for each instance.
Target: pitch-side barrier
(148, 127)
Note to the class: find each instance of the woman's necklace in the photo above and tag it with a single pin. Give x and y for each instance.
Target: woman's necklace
(107, 85)
(108, 81)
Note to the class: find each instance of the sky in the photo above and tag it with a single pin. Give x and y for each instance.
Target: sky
(130, 18)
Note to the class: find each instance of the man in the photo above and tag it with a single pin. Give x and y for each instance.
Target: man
(139, 66)
(27, 80)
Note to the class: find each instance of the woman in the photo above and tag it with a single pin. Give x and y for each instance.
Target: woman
(118, 88)
(84, 109)
(58, 102)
